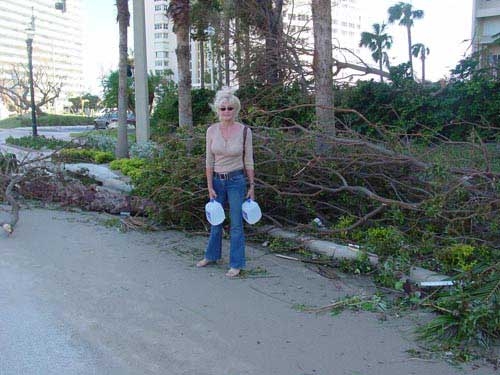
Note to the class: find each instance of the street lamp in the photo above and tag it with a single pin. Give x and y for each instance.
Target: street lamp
(30, 33)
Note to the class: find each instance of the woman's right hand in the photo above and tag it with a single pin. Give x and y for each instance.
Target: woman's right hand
(211, 193)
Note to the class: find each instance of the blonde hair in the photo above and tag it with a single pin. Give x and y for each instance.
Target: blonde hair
(226, 94)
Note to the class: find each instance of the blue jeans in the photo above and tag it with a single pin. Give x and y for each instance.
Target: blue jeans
(232, 190)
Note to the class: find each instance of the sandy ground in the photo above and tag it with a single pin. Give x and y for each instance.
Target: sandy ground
(77, 296)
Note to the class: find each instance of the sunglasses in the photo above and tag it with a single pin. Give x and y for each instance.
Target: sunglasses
(226, 109)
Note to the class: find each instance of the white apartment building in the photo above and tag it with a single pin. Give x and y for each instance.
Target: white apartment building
(486, 29)
(161, 43)
(160, 39)
(57, 42)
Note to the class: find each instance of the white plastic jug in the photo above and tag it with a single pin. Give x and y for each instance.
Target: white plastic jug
(214, 212)
(251, 211)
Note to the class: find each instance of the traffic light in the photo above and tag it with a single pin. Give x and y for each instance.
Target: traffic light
(61, 5)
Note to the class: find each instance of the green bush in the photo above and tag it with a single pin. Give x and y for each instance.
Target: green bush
(46, 120)
(129, 167)
(175, 180)
(38, 143)
(461, 257)
(387, 241)
(83, 156)
(102, 157)
(166, 115)
(100, 141)
(467, 105)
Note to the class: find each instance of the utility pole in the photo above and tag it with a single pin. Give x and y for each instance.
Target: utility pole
(142, 129)
(30, 34)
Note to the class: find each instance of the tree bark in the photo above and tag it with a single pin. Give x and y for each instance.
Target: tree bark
(274, 41)
(202, 64)
(123, 23)
(322, 66)
(408, 29)
(227, 36)
(183, 64)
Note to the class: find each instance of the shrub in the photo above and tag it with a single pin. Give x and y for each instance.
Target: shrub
(103, 142)
(82, 156)
(146, 150)
(461, 257)
(385, 241)
(129, 167)
(101, 157)
(38, 143)
(175, 180)
(46, 120)
(166, 116)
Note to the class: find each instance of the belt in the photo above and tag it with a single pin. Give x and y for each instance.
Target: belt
(228, 175)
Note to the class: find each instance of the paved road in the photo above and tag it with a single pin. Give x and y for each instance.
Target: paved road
(59, 132)
(79, 297)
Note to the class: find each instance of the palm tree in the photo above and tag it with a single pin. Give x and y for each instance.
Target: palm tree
(404, 13)
(377, 42)
(178, 11)
(123, 23)
(421, 50)
(322, 66)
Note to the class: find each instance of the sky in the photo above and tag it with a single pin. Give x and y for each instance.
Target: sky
(445, 30)
(101, 41)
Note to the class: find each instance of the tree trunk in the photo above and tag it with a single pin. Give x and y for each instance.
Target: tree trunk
(202, 64)
(322, 67)
(274, 42)
(227, 37)
(408, 28)
(183, 64)
(123, 23)
(381, 67)
(423, 67)
(238, 48)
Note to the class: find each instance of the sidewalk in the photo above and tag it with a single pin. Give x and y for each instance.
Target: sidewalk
(80, 297)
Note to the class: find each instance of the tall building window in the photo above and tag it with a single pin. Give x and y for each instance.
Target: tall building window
(161, 54)
(159, 26)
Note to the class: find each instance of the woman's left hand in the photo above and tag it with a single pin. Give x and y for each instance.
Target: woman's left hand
(251, 192)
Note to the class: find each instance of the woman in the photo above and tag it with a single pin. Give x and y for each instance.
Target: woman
(229, 165)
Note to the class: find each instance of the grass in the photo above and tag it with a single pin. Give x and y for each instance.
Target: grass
(45, 120)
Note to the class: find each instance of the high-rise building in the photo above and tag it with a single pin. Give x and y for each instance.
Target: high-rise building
(161, 43)
(57, 41)
(160, 39)
(486, 30)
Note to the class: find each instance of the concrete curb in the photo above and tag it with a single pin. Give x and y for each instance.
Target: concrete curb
(420, 276)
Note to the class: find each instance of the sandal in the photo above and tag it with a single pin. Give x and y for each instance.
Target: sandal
(233, 272)
(204, 262)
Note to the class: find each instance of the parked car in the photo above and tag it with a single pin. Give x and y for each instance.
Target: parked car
(130, 121)
(110, 120)
(105, 120)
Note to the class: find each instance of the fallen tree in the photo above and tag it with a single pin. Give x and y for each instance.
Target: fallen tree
(35, 177)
